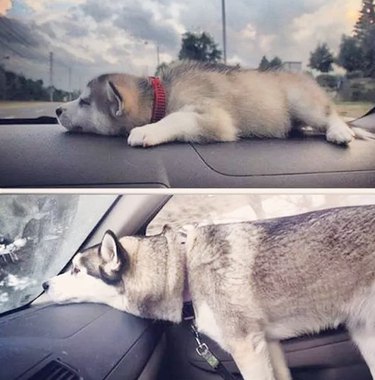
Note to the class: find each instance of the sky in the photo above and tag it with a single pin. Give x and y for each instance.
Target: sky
(91, 37)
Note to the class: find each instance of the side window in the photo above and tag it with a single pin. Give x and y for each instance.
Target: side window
(183, 210)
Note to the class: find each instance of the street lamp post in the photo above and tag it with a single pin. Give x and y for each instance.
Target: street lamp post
(157, 53)
(224, 31)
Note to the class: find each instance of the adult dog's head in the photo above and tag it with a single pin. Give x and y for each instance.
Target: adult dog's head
(111, 104)
(140, 275)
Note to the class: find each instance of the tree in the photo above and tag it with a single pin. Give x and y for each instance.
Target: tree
(368, 47)
(276, 64)
(161, 68)
(366, 20)
(364, 32)
(321, 59)
(199, 47)
(265, 65)
(351, 55)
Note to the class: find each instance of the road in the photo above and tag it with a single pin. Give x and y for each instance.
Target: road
(13, 110)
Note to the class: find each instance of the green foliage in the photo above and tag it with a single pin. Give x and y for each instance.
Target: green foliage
(368, 47)
(276, 63)
(362, 90)
(328, 81)
(354, 74)
(265, 65)
(321, 59)
(366, 20)
(199, 47)
(364, 35)
(161, 68)
(351, 55)
(17, 87)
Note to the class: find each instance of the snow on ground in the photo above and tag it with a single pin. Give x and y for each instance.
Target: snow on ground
(6, 249)
(4, 297)
(18, 283)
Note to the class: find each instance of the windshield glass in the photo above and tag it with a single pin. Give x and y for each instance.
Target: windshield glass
(38, 235)
(51, 49)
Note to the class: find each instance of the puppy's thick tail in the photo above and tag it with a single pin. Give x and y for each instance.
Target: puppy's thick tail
(363, 134)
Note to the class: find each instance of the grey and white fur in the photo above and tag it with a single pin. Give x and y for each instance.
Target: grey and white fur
(252, 284)
(206, 103)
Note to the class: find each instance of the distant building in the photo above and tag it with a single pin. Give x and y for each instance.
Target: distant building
(293, 66)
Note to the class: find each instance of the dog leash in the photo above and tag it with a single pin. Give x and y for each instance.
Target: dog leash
(202, 348)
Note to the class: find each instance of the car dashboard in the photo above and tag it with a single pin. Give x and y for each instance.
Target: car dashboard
(44, 155)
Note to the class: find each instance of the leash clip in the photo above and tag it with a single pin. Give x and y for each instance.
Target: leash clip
(207, 355)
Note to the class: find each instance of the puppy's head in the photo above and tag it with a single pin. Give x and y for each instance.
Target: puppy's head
(107, 106)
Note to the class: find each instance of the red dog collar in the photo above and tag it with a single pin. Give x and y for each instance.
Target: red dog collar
(158, 108)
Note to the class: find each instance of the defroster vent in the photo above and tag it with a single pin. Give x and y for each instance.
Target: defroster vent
(55, 370)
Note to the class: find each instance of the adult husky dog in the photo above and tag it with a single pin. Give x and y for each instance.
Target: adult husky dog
(251, 283)
(196, 102)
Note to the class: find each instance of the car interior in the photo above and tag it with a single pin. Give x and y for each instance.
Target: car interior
(34, 150)
(92, 341)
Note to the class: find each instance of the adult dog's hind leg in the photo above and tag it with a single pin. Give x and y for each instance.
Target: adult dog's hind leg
(278, 361)
(365, 340)
(253, 358)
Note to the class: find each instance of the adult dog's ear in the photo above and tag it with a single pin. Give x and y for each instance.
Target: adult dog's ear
(114, 257)
(115, 99)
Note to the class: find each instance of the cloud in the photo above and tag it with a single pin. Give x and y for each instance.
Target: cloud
(99, 11)
(141, 24)
(96, 36)
(140, 20)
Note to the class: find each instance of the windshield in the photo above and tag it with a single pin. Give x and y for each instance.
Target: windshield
(51, 49)
(38, 235)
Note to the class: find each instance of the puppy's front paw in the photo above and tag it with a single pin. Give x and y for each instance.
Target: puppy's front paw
(143, 136)
(340, 135)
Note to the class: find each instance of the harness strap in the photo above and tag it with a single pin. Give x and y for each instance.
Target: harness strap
(202, 348)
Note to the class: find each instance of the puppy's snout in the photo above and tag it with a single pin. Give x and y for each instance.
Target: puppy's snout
(59, 111)
(45, 285)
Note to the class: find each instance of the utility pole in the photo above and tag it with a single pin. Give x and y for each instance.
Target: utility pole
(70, 83)
(224, 31)
(51, 76)
(157, 55)
(3, 78)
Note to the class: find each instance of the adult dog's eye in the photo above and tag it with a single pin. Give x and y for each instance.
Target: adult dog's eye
(84, 102)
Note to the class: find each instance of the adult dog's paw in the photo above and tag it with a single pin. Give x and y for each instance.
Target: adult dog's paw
(143, 136)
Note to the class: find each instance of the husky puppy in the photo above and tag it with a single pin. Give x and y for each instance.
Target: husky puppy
(252, 283)
(205, 103)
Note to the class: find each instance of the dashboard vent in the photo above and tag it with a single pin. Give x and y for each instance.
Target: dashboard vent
(55, 370)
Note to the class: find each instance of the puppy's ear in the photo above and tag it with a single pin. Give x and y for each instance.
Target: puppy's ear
(115, 99)
(114, 257)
